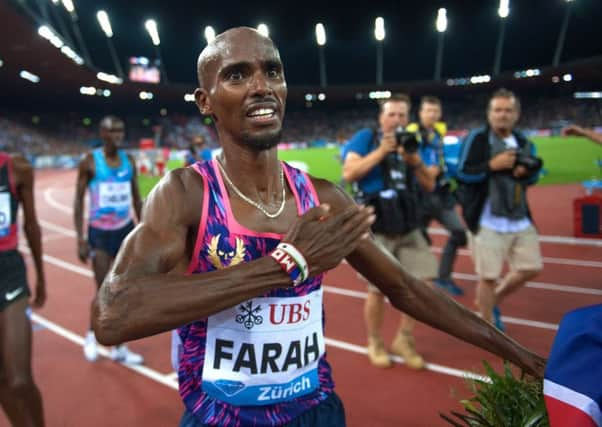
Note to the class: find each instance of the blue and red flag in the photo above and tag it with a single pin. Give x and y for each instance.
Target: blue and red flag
(573, 378)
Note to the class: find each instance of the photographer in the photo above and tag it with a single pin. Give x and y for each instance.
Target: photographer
(387, 176)
(496, 166)
(438, 204)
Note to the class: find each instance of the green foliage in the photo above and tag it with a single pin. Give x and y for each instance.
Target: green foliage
(506, 401)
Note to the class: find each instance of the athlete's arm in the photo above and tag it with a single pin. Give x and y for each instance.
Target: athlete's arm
(146, 291)
(424, 302)
(31, 227)
(136, 200)
(580, 131)
(84, 176)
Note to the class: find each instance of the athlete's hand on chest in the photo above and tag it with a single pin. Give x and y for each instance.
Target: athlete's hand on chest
(325, 237)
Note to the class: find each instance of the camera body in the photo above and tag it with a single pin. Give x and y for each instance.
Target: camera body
(531, 163)
(407, 140)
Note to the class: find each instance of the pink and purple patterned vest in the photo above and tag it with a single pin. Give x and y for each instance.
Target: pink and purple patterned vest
(262, 362)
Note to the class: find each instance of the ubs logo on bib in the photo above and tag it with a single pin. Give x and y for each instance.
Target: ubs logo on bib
(250, 315)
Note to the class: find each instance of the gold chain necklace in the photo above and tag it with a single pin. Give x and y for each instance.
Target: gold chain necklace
(252, 202)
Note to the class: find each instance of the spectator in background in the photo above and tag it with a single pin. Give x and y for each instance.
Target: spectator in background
(440, 203)
(388, 178)
(493, 174)
(197, 151)
(109, 175)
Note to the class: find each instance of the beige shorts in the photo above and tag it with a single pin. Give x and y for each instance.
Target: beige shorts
(491, 249)
(413, 253)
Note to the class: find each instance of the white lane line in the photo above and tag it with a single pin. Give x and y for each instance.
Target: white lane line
(45, 238)
(60, 263)
(58, 228)
(52, 202)
(561, 240)
(103, 351)
(507, 319)
(540, 285)
(429, 366)
(546, 260)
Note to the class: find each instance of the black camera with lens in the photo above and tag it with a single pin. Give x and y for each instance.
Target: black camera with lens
(531, 163)
(407, 140)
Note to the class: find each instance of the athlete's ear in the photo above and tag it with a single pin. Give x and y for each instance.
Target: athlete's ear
(202, 101)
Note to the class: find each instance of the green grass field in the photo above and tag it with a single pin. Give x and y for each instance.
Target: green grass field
(566, 160)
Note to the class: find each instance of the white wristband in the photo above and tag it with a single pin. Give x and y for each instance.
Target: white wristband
(298, 257)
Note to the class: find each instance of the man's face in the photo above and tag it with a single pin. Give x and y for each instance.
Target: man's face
(198, 143)
(429, 114)
(246, 90)
(112, 133)
(394, 114)
(502, 113)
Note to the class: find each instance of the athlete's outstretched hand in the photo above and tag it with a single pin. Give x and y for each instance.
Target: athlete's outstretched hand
(325, 238)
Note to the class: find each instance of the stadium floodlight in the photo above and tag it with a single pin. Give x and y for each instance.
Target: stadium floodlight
(189, 97)
(109, 78)
(55, 1)
(320, 34)
(145, 96)
(562, 35)
(153, 32)
(321, 40)
(49, 35)
(263, 30)
(504, 9)
(379, 29)
(1, 63)
(68, 4)
(441, 23)
(379, 35)
(209, 34)
(105, 24)
(503, 12)
(151, 27)
(24, 74)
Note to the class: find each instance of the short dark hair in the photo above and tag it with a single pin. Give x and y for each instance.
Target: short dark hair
(429, 99)
(504, 93)
(398, 97)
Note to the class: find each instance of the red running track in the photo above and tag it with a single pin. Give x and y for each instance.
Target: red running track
(78, 393)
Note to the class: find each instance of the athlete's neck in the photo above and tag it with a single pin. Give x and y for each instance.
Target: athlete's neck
(255, 173)
(110, 152)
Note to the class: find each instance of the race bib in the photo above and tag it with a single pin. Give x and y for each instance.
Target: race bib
(265, 350)
(116, 195)
(5, 214)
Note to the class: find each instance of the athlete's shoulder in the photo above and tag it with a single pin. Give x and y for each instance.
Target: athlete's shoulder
(22, 170)
(177, 196)
(19, 161)
(331, 193)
